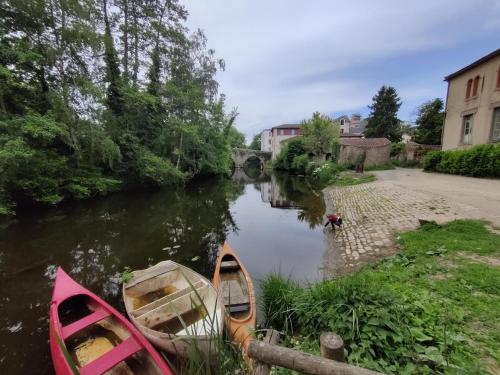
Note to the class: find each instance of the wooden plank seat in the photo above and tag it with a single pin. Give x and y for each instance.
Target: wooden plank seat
(151, 273)
(169, 298)
(110, 359)
(238, 308)
(229, 265)
(174, 308)
(233, 293)
(90, 319)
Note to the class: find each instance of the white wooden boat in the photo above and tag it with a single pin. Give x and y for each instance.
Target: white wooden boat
(175, 308)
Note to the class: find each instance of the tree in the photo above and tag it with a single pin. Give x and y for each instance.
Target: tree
(383, 120)
(236, 138)
(256, 142)
(430, 120)
(320, 133)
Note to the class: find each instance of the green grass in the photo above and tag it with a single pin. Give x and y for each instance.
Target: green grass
(433, 308)
(349, 178)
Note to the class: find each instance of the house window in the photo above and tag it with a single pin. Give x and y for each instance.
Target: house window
(342, 131)
(475, 86)
(342, 122)
(469, 88)
(467, 134)
(498, 78)
(293, 132)
(496, 125)
(280, 132)
(269, 141)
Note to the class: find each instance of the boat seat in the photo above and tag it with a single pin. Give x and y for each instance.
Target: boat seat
(107, 361)
(90, 319)
(238, 308)
(229, 265)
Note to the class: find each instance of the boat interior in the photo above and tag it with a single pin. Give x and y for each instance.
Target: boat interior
(93, 339)
(163, 300)
(234, 288)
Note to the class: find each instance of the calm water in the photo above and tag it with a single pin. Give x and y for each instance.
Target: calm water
(274, 224)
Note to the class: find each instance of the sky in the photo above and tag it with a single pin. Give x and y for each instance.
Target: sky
(286, 59)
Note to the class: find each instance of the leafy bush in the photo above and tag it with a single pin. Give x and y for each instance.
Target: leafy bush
(397, 148)
(293, 148)
(478, 161)
(300, 164)
(156, 171)
(326, 173)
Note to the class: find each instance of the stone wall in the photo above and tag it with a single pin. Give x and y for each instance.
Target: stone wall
(373, 156)
(416, 151)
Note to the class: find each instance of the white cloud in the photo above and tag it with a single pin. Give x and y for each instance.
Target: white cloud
(275, 51)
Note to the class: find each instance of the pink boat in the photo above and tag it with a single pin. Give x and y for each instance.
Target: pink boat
(89, 337)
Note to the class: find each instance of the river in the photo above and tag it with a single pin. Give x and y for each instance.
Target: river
(274, 223)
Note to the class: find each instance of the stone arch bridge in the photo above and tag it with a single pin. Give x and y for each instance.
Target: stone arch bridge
(241, 155)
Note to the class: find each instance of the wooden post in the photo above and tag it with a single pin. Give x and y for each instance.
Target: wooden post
(305, 363)
(272, 337)
(332, 346)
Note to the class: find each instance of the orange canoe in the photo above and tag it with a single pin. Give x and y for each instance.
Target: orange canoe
(235, 285)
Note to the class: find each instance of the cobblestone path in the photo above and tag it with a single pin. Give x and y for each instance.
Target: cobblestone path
(373, 213)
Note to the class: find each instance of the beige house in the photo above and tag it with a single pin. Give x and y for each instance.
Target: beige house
(473, 104)
(280, 134)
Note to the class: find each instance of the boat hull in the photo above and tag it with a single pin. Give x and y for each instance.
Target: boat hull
(203, 340)
(242, 329)
(133, 344)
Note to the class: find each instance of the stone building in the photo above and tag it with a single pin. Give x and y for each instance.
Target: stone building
(473, 104)
(375, 151)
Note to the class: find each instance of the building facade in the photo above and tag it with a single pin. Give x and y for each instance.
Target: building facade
(265, 140)
(473, 104)
(281, 133)
(352, 125)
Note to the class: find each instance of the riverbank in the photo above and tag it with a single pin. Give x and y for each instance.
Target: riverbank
(431, 308)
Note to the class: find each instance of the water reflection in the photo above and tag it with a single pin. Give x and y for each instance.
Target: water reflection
(95, 240)
(285, 191)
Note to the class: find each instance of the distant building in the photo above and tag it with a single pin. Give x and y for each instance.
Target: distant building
(352, 125)
(281, 133)
(265, 140)
(473, 104)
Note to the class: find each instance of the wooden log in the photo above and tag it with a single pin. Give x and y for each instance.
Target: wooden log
(305, 363)
(272, 337)
(332, 346)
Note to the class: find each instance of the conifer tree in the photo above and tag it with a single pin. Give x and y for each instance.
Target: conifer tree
(383, 120)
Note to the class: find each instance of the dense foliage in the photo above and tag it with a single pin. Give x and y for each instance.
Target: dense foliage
(320, 133)
(102, 93)
(430, 119)
(293, 149)
(478, 161)
(256, 142)
(383, 120)
(428, 310)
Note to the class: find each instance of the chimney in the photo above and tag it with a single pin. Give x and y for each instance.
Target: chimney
(355, 120)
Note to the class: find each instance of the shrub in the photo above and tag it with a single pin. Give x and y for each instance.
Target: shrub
(397, 148)
(293, 148)
(478, 161)
(300, 163)
(327, 173)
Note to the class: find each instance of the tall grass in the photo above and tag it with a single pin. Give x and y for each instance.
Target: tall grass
(397, 316)
(223, 356)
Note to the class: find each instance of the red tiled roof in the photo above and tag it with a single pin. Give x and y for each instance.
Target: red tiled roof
(365, 142)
